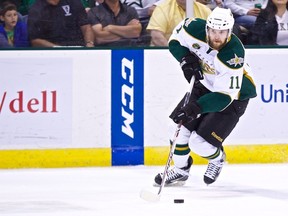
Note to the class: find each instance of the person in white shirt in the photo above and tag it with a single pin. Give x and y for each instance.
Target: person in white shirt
(142, 7)
(245, 12)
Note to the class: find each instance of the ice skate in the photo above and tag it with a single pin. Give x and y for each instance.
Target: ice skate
(213, 170)
(175, 176)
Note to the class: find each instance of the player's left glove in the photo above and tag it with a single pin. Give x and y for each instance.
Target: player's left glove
(190, 65)
(187, 113)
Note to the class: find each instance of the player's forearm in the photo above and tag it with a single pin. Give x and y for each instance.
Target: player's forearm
(177, 50)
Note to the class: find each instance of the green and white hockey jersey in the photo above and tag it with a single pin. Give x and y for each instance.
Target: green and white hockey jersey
(226, 73)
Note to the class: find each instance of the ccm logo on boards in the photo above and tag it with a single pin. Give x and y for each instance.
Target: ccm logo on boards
(127, 96)
(45, 103)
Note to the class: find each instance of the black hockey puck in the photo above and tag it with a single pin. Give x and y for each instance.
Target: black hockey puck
(178, 200)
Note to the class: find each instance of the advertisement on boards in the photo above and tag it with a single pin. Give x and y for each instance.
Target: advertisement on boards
(35, 103)
(127, 107)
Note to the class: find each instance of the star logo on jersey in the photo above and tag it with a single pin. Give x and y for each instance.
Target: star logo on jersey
(236, 61)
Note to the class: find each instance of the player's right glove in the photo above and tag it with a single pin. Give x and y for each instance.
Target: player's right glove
(187, 113)
(191, 66)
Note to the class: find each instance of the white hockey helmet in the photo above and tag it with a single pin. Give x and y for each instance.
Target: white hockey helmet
(220, 19)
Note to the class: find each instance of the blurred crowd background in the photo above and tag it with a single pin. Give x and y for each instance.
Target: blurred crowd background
(130, 23)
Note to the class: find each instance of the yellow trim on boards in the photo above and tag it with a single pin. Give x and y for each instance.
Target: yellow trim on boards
(277, 153)
(153, 156)
(55, 158)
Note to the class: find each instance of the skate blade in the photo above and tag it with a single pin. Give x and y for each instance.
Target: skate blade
(174, 184)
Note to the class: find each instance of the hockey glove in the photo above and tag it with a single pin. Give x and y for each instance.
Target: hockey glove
(191, 66)
(187, 113)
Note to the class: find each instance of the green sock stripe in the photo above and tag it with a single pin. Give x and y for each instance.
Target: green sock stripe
(186, 145)
(182, 149)
(216, 154)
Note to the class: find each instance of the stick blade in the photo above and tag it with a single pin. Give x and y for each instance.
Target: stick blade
(149, 196)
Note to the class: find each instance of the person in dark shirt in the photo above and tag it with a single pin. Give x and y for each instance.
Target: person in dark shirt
(59, 23)
(270, 27)
(115, 24)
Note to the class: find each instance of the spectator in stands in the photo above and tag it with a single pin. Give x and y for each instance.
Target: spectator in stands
(212, 3)
(17, 3)
(115, 24)
(244, 11)
(59, 23)
(151, 9)
(13, 33)
(24, 5)
(271, 26)
(143, 9)
(167, 15)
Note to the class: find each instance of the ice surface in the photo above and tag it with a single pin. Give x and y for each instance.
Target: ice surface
(112, 191)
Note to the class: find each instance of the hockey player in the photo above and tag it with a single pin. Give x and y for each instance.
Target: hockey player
(211, 53)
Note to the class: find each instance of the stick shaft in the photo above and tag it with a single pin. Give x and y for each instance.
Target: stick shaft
(172, 148)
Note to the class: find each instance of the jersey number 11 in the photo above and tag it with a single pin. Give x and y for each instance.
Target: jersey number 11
(234, 82)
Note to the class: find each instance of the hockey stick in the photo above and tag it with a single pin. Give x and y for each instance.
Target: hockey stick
(147, 195)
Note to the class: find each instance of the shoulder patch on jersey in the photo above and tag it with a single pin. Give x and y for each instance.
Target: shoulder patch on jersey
(188, 21)
(196, 46)
(196, 28)
(236, 60)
